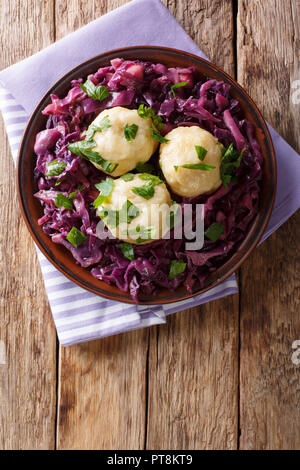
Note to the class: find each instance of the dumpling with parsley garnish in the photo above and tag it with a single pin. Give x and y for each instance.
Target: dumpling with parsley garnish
(122, 138)
(191, 161)
(135, 208)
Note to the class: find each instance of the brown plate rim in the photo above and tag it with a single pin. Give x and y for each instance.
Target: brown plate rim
(156, 301)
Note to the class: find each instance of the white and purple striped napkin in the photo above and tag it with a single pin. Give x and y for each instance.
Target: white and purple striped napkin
(78, 314)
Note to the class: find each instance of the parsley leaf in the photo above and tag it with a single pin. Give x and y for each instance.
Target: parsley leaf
(76, 237)
(145, 112)
(201, 152)
(101, 126)
(73, 194)
(128, 177)
(126, 214)
(79, 147)
(55, 168)
(177, 267)
(82, 148)
(61, 200)
(110, 216)
(214, 231)
(230, 161)
(98, 93)
(156, 135)
(130, 132)
(155, 180)
(127, 250)
(105, 187)
(177, 85)
(196, 166)
(146, 191)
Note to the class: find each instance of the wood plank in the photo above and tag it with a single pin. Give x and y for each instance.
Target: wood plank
(102, 391)
(193, 360)
(87, 399)
(193, 379)
(268, 62)
(27, 334)
(209, 23)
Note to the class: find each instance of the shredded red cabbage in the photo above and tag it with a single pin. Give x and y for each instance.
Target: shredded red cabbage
(201, 102)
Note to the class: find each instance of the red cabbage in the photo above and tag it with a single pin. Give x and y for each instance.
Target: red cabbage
(200, 102)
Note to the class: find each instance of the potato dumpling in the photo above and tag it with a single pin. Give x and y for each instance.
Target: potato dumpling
(148, 204)
(181, 150)
(111, 142)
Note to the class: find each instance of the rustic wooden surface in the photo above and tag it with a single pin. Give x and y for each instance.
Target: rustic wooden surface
(28, 377)
(215, 377)
(268, 62)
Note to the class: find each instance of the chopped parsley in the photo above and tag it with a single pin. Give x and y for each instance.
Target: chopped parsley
(201, 152)
(146, 191)
(128, 177)
(155, 180)
(61, 200)
(105, 187)
(55, 168)
(214, 231)
(130, 132)
(98, 93)
(82, 149)
(76, 237)
(126, 214)
(156, 135)
(127, 250)
(230, 161)
(145, 112)
(177, 267)
(101, 126)
(196, 166)
(177, 85)
(72, 195)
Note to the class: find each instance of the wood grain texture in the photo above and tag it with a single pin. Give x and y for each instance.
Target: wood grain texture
(115, 416)
(102, 384)
(193, 378)
(102, 393)
(209, 23)
(268, 62)
(27, 333)
(175, 386)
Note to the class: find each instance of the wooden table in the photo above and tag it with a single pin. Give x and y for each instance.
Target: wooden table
(219, 376)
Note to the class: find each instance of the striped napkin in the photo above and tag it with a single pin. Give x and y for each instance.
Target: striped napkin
(78, 314)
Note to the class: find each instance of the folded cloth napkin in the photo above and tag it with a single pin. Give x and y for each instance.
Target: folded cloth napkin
(78, 314)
